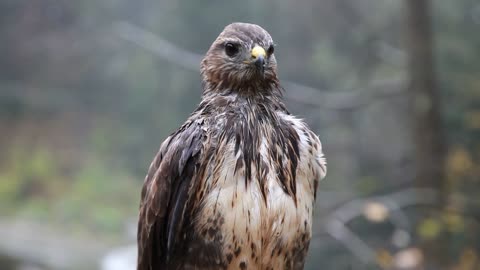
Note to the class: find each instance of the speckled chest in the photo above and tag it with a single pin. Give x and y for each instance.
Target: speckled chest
(239, 226)
(252, 234)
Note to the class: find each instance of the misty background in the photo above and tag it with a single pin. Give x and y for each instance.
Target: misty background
(89, 90)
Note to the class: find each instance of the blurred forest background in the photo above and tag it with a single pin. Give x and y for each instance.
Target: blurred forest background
(89, 89)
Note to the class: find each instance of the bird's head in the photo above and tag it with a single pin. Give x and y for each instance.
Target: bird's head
(241, 58)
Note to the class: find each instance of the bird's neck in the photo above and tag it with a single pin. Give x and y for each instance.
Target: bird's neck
(256, 91)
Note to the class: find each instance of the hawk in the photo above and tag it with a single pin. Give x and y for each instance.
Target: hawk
(234, 187)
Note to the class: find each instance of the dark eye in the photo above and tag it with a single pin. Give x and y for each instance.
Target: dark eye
(231, 49)
(270, 50)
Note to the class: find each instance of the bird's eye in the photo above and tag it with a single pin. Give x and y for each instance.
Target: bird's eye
(270, 50)
(231, 49)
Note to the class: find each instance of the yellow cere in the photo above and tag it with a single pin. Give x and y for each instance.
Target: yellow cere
(258, 51)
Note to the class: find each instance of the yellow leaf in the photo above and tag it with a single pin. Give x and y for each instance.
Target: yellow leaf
(468, 259)
(384, 258)
(459, 161)
(454, 222)
(429, 228)
(472, 119)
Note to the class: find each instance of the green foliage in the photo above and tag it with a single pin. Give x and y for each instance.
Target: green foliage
(24, 175)
(94, 197)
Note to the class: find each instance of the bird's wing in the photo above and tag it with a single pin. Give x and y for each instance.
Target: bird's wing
(167, 190)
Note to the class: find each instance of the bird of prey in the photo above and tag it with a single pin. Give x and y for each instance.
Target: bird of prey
(234, 187)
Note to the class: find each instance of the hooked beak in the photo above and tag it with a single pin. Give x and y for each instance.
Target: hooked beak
(258, 56)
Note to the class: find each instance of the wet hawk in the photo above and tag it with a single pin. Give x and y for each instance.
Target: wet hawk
(234, 187)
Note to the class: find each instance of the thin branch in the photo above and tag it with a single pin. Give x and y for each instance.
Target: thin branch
(337, 229)
(344, 100)
(158, 46)
(394, 202)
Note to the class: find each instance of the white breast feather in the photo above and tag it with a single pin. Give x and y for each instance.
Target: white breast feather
(234, 200)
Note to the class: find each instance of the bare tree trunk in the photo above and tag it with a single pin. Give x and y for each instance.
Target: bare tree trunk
(426, 117)
(430, 145)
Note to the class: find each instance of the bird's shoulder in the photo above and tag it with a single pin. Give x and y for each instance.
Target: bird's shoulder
(311, 149)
